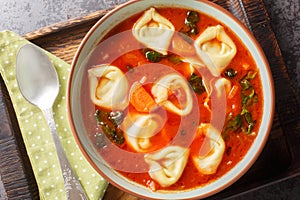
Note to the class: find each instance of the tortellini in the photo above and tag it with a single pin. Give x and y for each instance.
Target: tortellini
(108, 87)
(177, 85)
(221, 87)
(154, 31)
(215, 48)
(138, 129)
(208, 164)
(167, 165)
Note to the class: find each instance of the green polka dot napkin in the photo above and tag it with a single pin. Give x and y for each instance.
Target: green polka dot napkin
(36, 134)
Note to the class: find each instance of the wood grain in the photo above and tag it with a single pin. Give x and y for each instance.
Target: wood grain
(65, 25)
(16, 175)
(279, 159)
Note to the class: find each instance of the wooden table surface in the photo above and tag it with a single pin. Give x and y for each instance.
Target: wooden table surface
(245, 10)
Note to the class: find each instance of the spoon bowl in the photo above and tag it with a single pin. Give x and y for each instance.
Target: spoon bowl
(36, 76)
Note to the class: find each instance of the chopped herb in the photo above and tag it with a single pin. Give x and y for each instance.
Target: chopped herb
(244, 110)
(174, 59)
(234, 124)
(116, 117)
(109, 124)
(192, 17)
(193, 29)
(115, 135)
(244, 121)
(245, 84)
(118, 137)
(191, 21)
(247, 98)
(248, 118)
(230, 73)
(250, 127)
(250, 75)
(100, 116)
(153, 56)
(247, 129)
(196, 84)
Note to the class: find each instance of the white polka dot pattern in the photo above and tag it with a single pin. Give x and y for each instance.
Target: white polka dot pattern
(36, 134)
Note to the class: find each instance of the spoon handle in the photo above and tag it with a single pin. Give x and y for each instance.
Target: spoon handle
(73, 187)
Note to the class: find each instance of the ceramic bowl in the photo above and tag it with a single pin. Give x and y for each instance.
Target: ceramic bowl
(96, 34)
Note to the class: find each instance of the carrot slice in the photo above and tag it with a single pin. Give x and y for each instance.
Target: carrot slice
(141, 99)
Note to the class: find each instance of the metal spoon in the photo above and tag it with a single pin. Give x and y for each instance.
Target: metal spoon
(38, 83)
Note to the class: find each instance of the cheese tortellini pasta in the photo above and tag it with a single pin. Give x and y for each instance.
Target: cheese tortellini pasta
(215, 48)
(154, 31)
(208, 163)
(108, 87)
(177, 85)
(166, 166)
(139, 128)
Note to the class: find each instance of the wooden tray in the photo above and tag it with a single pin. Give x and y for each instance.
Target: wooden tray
(280, 158)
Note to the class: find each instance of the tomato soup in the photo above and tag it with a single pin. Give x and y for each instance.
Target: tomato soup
(144, 101)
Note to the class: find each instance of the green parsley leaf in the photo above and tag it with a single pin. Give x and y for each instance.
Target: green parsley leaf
(196, 83)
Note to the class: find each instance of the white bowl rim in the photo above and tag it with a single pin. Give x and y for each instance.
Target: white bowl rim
(236, 172)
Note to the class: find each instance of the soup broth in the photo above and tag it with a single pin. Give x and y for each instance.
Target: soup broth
(187, 122)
